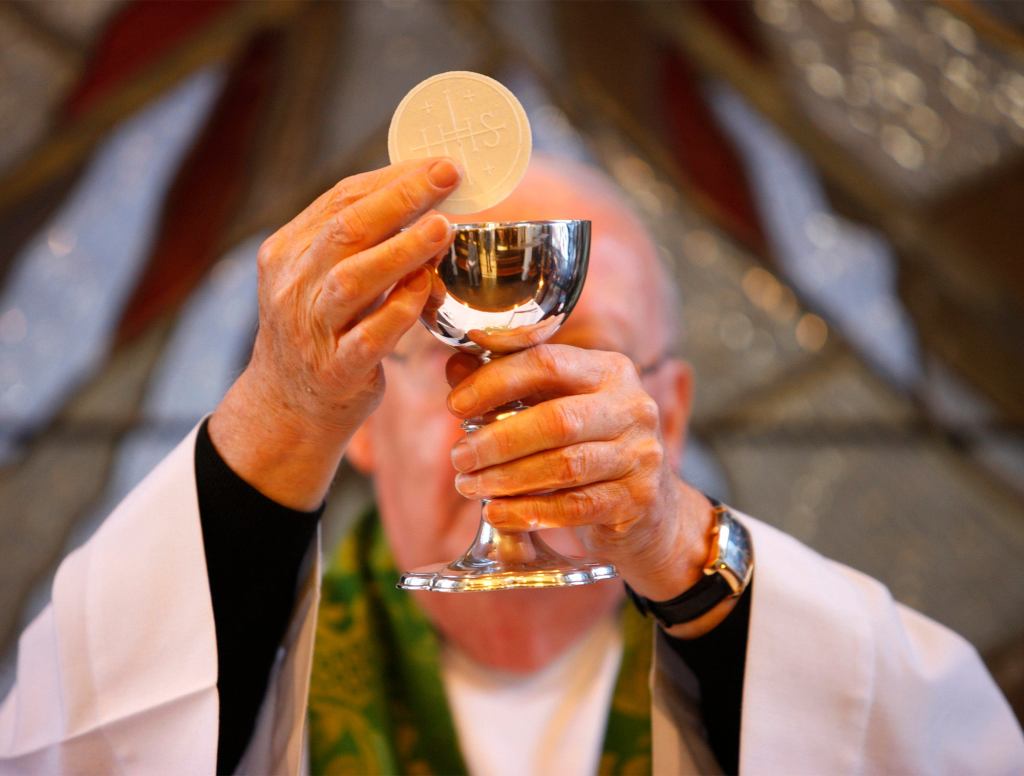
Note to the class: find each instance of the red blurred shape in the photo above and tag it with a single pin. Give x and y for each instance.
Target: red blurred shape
(706, 156)
(136, 37)
(207, 191)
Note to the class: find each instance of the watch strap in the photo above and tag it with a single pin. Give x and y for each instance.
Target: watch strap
(699, 599)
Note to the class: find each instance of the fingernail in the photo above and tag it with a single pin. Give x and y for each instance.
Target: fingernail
(467, 484)
(419, 282)
(462, 399)
(463, 456)
(436, 228)
(443, 174)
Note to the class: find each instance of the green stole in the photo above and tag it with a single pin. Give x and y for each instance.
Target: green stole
(377, 703)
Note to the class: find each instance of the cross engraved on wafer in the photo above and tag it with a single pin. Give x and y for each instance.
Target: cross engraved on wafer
(484, 129)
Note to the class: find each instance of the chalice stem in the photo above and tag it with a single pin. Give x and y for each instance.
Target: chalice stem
(492, 545)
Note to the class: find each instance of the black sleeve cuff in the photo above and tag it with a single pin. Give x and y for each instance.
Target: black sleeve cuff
(254, 548)
(718, 660)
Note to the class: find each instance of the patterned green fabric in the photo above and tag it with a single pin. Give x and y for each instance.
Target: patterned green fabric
(377, 703)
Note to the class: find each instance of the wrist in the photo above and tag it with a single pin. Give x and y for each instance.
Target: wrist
(684, 545)
(271, 447)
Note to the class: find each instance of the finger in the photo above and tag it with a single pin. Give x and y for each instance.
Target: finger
(382, 212)
(594, 504)
(363, 346)
(349, 190)
(459, 367)
(352, 285)
(566, 467)
(546, 369)
(518, 338)
(552, 424)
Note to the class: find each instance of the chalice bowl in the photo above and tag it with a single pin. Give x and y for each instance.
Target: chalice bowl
(500, 288)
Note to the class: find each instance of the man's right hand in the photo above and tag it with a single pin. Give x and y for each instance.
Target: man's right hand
(315, 373)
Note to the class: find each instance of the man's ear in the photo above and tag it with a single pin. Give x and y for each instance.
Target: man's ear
(673, 390)
(359, 452)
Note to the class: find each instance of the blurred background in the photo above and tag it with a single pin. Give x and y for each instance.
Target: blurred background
(838, 187)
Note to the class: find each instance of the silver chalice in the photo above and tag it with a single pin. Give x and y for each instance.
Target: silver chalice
(504, 287)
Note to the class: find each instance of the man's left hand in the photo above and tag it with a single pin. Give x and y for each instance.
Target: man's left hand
(588, 454)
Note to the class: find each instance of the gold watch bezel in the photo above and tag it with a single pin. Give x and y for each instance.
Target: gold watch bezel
(732, 555)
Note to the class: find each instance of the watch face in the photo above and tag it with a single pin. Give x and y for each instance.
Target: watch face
(735, 553)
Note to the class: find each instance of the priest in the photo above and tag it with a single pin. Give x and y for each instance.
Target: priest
(185, 637)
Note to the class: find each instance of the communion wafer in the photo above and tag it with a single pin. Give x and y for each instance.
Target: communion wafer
(474, 120)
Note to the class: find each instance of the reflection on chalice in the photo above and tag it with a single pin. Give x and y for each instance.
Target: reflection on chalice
(501, 288)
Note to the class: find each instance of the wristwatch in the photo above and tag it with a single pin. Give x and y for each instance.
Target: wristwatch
(726, 574)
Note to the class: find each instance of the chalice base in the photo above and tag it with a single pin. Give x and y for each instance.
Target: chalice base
(479, 569)
(452, 578)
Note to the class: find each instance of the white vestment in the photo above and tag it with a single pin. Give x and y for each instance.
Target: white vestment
(119, 672)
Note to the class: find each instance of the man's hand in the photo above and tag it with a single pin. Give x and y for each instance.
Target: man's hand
(587, 454)
(315, 373)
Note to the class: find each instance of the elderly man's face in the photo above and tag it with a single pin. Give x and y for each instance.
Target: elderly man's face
(407, 442)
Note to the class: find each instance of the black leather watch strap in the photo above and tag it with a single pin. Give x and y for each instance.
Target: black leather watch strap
(704, 596)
